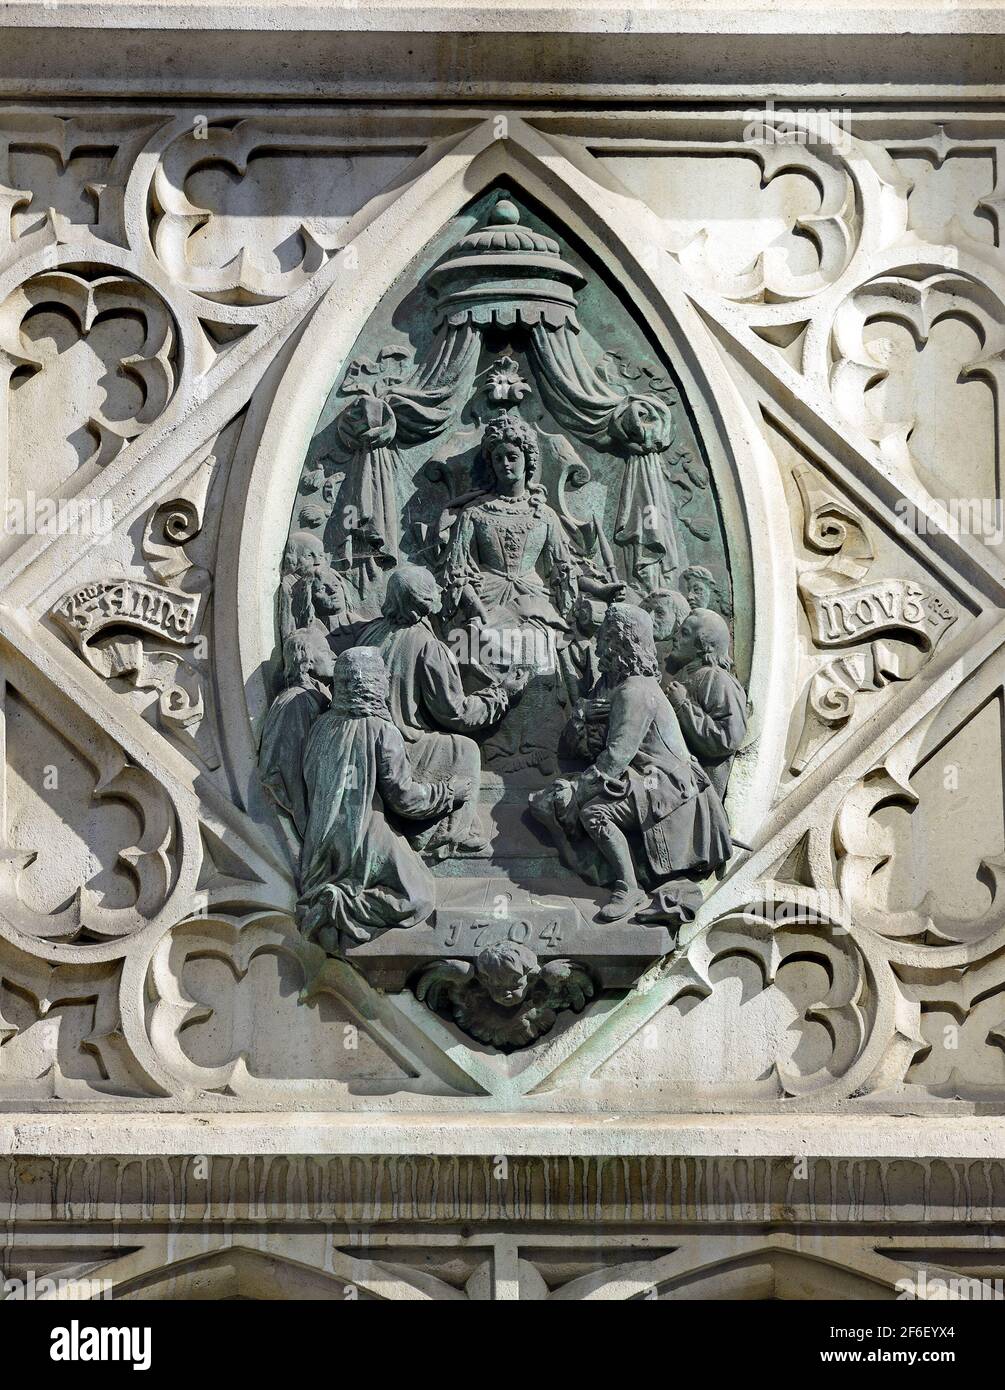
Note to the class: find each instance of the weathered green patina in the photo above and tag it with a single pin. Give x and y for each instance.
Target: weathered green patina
(509, 440)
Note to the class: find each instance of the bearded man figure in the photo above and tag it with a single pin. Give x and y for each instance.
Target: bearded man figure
(644, 783)
(428, 703)
(358, 875)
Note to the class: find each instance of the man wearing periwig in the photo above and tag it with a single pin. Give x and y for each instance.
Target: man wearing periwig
(359, 876)
(644, 785)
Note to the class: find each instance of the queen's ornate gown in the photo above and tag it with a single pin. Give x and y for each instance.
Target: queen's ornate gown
(513, 554)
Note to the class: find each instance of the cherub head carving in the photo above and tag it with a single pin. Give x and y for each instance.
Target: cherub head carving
(505, 996)
(506, 971)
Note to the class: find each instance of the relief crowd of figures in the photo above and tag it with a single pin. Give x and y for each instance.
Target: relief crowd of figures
(374, 748)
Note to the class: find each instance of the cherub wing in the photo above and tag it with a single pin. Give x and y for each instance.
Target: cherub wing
(569, 985)
(443, 982)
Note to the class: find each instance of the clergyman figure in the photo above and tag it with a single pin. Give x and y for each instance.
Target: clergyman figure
(358, 874)
(308, 664)
(429, 705)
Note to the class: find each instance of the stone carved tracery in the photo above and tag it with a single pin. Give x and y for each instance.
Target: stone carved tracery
(883, 988)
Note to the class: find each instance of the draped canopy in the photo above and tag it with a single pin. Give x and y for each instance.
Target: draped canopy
(506, 275)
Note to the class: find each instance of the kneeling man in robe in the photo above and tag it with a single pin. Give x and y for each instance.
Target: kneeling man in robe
(429, 705)
(358, 874)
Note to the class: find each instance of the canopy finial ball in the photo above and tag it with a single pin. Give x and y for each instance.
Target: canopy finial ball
(506, 211)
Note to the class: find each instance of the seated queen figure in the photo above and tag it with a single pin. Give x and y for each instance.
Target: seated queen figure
(508, 563)
(510, 575)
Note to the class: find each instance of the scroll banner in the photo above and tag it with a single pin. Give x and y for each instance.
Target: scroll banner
(899, 610)
(843, 617)
(131, 609)
(132, 603)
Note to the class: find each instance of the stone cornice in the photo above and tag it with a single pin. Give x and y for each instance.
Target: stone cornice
(711, 1136)
(305, 50)
(704, 17)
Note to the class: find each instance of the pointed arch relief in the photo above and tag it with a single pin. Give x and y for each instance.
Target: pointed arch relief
(497, 498)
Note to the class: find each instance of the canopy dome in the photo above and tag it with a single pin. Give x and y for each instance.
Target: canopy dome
(506, 273)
